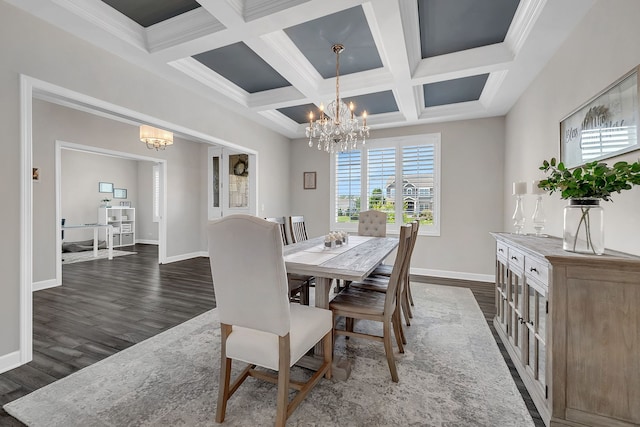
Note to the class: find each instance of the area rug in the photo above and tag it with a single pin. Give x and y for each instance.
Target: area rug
(73, 257)
(452, 374)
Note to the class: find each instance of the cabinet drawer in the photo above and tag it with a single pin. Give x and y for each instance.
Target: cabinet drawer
(537, 270)
(516, 259)
(501, 250)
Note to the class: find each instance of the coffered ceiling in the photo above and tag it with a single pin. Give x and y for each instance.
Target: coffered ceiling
(405, 61)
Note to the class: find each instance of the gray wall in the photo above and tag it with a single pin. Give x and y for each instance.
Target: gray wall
(472, 157)
(32, 47)
(603, 47)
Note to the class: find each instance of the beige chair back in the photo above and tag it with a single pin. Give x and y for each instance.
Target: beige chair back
(249, 275)
(372, 223)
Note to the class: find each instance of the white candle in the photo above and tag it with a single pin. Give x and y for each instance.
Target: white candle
(535, 189)
(519, 188)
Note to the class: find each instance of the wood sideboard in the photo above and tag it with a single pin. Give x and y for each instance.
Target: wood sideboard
(571, 324)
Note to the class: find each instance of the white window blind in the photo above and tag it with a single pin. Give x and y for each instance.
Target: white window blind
(399, 176)
(381, 174)
(418, 182)
(347, 186)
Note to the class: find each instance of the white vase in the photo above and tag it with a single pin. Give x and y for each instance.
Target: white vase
(583, 227)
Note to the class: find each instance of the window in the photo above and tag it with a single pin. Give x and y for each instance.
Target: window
(368, 178)
(156, 193)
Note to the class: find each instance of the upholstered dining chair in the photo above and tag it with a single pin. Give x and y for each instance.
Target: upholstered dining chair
(354, 303)
(298, 283)
(380, 282)
(372, 223)
(258, 324)
(298, 229)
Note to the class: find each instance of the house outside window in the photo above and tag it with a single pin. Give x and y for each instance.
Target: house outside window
(368, 178)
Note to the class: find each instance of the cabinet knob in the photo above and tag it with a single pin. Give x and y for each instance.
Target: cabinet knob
(514, 257)
(521, 320)
(500, 250)
(533, 269)
(530, 322)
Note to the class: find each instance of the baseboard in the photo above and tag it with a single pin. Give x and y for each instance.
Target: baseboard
(147, 242)
(45, 284)
(453, 275)
(9, 361)
(183, 257)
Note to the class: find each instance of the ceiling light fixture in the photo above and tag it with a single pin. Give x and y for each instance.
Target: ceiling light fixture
(155, 138)
(337, 129)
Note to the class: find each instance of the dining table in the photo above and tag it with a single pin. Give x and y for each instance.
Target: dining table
(351, 261)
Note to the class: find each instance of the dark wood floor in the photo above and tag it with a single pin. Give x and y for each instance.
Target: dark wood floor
(106, 306)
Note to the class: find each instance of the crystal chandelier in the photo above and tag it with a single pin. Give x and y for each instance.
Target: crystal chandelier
(155, 138)
(337, 129)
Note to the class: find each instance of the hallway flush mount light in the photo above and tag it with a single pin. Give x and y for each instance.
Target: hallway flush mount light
(155, 138)
(337, 129)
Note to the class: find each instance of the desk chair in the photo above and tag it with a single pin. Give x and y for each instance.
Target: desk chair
(258, 324)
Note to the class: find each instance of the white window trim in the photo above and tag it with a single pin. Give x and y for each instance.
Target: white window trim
(398, 142)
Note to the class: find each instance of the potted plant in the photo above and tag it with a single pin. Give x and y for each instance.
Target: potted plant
(105, 203)
(585, 186)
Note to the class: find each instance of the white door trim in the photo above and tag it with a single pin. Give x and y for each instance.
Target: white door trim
(162, 224)
(30, 86)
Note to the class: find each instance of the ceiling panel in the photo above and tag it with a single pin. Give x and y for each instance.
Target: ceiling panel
(454, 91)
(299, 113)
(243, 67)
(150, 12)
(349, 27)
(448, 26)
(373, 103)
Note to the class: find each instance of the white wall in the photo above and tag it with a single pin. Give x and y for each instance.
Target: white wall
(80, 174)
(34, 48)
(472, 153)
(603, 47)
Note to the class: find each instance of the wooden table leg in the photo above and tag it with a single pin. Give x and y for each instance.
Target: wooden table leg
(340, 367)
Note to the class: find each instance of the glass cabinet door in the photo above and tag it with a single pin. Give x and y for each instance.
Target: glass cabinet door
(516, 308)
(536, 332)
(501, 294)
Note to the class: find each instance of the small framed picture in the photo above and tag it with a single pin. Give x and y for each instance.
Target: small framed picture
(36, 174)
(119, 193)
(309, 181)
(125, 204)
(105, 187)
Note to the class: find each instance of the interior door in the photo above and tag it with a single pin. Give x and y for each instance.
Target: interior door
(232, 182)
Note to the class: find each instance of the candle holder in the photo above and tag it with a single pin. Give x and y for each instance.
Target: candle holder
(538, 217)
(518, 215)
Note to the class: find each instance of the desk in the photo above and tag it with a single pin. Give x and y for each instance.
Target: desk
(353, 261)
(95, 228)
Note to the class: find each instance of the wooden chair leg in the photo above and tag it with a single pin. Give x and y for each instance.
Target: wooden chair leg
(327, 342)
(406, 309)
(388, 349)
(283, 381)
(409, 294)
(397, 331)
(304, 294)
(225, 374)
